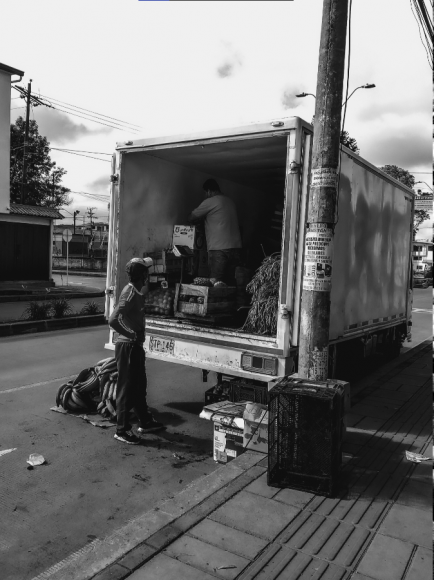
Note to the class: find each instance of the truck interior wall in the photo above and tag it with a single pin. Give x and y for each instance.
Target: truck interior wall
(371, 249)
(157, 194)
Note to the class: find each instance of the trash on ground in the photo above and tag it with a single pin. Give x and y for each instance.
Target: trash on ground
(226, 567)
(176, 456)
(416, 457)
(36, 459)
(96, 421)
(7, 451)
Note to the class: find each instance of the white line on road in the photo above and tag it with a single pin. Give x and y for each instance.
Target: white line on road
(37, 384)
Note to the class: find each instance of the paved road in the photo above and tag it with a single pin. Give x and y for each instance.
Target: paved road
(92, 483)
(77, 280)
(422, 317)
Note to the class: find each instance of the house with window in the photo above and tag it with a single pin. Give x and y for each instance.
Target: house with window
(26, 231)
(422, 255)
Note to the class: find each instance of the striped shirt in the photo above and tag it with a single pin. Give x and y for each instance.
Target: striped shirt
(128, 317)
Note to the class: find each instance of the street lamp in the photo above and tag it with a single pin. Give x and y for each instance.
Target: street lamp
(74, 215)
(366, 86)
(424, 183)
(305, 95)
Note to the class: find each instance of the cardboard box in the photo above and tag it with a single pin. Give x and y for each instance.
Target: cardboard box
(255, 434)
(184, 236)
(228, 443)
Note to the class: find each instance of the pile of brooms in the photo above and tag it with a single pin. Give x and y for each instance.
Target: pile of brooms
(264, 287)
(92, 390)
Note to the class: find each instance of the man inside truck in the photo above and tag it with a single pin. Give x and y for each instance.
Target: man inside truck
(222, 232)
(128, 319)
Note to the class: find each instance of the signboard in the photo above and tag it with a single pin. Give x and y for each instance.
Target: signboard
(184, 236)
(318, 254)
(425, 203)
(67, 235)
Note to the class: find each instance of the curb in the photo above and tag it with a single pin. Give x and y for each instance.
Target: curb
(39, 297)
(116, 556)
(28, 327)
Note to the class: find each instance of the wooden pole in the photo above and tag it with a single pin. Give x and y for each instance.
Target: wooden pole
(26, 139)
(321, 218)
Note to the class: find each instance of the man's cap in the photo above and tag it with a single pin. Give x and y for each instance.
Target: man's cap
(134, 267)
(146, 262)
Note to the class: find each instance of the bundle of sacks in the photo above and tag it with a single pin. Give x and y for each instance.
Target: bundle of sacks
(93, 389)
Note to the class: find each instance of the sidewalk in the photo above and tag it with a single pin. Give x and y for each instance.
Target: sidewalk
(231, 525)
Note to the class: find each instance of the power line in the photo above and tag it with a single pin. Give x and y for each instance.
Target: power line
(425, 27)
(80, 151)
(87, 119)
(37, 101)
(113, 124)
(63, 103)
(80, 154)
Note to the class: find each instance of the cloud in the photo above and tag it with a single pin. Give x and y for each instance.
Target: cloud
(231, 62)
(289, 100)
(225, 70)
(100, 185)
(407, 150)
(59, 127)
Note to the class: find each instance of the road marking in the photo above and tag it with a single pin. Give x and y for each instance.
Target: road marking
(422, 310)
(37, 384)
(7, 451)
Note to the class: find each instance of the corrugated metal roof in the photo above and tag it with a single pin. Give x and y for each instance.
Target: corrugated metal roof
(11, 70)
(35, 210)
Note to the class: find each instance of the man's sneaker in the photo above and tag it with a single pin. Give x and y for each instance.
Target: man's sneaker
(150, 426)
(127, 437)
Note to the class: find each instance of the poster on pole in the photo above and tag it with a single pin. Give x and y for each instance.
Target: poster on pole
(318, 254)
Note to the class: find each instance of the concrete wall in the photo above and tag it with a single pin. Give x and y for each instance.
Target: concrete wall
(99, 265)
(5, 104)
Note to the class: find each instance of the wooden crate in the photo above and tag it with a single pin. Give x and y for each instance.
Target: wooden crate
(218, 301)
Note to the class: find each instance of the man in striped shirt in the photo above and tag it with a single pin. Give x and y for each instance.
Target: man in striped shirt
(128, 319)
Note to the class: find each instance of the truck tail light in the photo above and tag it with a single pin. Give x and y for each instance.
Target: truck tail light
(259, 364)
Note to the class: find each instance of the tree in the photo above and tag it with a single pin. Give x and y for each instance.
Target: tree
(349, 142)
(346, 140)
(420, 216)
(43, 176)
(405, 177)
(400, 174)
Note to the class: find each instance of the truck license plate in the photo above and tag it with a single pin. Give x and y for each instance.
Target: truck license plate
(165, 345)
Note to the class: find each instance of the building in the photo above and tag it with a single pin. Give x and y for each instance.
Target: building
(422, 255)
(25, 231)
(86, 242)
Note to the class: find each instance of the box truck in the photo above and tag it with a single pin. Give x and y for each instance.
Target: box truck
(265, 169)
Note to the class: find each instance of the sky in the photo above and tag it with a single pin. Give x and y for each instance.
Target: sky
(179, 66)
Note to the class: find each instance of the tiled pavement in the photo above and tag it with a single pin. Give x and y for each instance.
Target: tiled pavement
(231, 525)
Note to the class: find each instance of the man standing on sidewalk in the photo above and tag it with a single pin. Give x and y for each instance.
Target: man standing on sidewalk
(223, 238)
(128, 319)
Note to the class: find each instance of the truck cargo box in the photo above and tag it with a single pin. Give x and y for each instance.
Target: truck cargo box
(265, 169)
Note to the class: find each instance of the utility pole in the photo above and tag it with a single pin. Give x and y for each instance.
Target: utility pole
(26, 138)
(323, 197)
(77, 211)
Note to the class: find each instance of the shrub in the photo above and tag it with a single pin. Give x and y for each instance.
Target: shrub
(61, 307)
(91, 307)
(37, 311)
